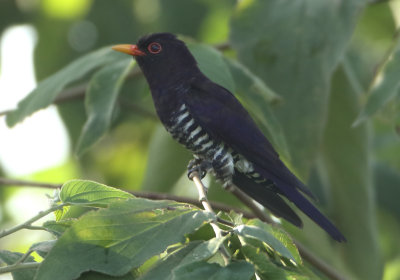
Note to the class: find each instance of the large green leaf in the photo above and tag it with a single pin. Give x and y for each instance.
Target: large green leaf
(213, 65)
(117, 239)
(47, 90)
(100, 101)
(203, 270)
(193, 252)
(294, 46)
(90, 192)
(348, 170)
(385, 86)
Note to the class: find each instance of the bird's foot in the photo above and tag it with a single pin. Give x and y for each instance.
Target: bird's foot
(199, 166)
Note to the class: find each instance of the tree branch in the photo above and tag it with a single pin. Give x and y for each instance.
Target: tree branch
(19, 266)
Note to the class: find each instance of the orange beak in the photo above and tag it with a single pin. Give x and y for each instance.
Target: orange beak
(129, 49)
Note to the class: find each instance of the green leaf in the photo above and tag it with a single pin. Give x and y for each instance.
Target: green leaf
(161, 175)
(347, 165)
(117, 239)
(100, 101)
(202, 270)
(10, 258)
(385, 87)
(90, 192)
(262, 263)
(264, 236)
(192, 252)
(212, 64)
(294, 46)
(48, 89)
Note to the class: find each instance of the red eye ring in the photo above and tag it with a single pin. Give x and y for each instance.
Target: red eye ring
(154, 48)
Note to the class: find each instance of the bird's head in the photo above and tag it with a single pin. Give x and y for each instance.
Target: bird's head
(162, 57)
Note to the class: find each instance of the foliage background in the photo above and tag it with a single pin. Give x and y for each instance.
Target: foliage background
(322, 59)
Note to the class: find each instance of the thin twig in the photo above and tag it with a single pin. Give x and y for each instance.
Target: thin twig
(16, 267)
(204, 201)
(29, 222)
(304, 252)
(16, 182)
(24, 257)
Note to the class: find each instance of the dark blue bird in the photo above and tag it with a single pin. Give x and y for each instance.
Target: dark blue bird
(208, 120)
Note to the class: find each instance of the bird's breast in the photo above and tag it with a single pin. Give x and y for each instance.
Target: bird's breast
(184, 128)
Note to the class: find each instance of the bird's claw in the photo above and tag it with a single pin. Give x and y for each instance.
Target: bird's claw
(199, 166)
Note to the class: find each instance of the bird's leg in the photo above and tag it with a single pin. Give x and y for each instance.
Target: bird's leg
(198, 165)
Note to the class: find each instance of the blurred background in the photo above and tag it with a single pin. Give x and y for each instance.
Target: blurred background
(354, 171)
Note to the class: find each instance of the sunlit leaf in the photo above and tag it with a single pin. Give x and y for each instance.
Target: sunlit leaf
(100, 101)
(47, 90)
(117, 239)
(90, 192)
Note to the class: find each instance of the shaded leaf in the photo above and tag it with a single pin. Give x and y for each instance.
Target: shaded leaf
(385, 86)
(100, 101)
(202, 270)
(192, 252)
(47, 90)
(263, 265)
(212, 64)
(117, 239)
(294, 46)
(100, 276)
(264, 236)
(42, 248)
(279, 234)
(346, 162)
(90, 192)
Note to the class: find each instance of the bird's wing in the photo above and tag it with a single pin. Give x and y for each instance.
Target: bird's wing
(223, 117)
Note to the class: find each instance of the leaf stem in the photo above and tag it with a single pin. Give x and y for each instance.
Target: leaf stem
(28, 223)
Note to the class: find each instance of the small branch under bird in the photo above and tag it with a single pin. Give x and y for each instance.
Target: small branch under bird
(209, 121)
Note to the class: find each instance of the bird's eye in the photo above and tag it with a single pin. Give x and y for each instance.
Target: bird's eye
(154, 48)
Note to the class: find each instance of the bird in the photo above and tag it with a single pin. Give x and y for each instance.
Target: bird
(210, 122)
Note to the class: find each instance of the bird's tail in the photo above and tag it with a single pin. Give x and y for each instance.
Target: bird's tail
(267, 197)
(304, 205)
